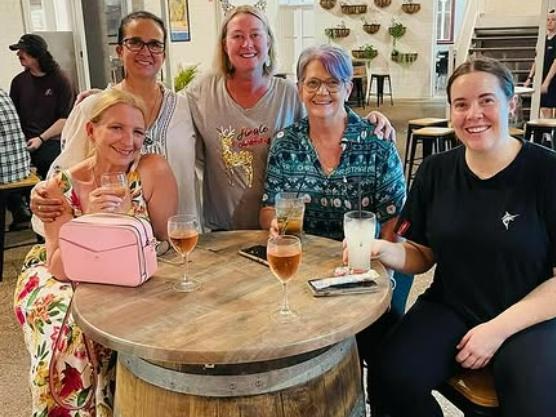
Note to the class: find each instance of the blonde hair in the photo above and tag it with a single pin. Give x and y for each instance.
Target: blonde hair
(110, 98)
(222, 61)
(107, 99)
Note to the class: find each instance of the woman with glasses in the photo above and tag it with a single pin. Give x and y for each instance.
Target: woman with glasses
(333, 158)
(141, 47)
(236, 112)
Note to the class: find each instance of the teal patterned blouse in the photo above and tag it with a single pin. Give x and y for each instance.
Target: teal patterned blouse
(369, 171)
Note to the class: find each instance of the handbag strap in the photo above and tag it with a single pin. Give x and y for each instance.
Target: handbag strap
(52, 369)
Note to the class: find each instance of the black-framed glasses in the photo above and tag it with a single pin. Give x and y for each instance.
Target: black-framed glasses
(312, 85)
(137, 44)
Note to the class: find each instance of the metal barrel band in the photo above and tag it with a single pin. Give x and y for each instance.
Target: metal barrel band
(237, 385)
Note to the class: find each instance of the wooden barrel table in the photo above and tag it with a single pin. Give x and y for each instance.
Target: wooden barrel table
(217, 352)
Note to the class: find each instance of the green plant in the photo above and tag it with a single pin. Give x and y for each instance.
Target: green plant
(366, 51)
(185, 76)
(368, 48)
(396, 30)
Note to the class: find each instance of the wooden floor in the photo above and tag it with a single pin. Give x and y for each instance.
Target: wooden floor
(14, 363)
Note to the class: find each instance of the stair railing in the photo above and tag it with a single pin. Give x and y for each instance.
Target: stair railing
(473, 10)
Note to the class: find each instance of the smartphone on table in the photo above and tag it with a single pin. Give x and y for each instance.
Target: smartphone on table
(256, 253)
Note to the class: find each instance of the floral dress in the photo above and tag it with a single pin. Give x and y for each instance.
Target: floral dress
(40, 304)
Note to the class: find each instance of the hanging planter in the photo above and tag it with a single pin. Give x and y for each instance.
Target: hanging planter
(403, 57)
(371, 27)
(410, 7)
(383, 3)
(396, 30)
(341, 31)
(354, 8)
(327, 4)
(366, 51)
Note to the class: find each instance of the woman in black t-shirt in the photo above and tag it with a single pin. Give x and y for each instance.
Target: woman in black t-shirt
(485, 214)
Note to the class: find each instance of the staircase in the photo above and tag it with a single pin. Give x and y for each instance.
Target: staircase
(514, 46)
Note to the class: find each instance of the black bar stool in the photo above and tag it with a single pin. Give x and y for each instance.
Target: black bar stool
(359, 84)
(437, 139)
(541, 131)
(416, 124)
(380, 88)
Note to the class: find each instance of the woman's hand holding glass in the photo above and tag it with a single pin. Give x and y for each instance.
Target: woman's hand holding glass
(116, 184)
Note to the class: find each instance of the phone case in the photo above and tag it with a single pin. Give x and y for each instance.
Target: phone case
(253, 254)
(349, 284)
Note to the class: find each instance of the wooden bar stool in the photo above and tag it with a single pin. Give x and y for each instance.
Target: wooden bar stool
(437, 139)
(416, 124)
(473, 393)
(380, 88)
(5, 189)
(541, 131)
(516, 132)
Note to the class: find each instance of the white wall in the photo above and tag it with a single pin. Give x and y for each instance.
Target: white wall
(512, 7)
(408, 80)
(11, 22)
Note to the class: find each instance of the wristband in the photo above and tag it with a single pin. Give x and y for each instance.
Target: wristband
(41, 139)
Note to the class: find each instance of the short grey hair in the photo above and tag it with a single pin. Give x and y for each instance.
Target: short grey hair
(336, 61)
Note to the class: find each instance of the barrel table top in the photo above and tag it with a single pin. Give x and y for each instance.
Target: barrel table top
(229, 319)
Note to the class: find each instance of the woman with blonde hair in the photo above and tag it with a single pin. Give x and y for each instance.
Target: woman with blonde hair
(142, 42)
(236, 111)
(43, 293)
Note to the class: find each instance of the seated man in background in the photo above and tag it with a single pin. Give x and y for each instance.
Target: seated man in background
(14, 159)
(43, 97)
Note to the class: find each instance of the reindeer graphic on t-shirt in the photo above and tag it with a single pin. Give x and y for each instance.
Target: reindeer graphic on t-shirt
(233, 158)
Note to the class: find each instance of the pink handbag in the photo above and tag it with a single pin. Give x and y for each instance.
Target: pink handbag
(107, 248)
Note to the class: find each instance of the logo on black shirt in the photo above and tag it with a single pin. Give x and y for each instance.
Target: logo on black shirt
(507, 218)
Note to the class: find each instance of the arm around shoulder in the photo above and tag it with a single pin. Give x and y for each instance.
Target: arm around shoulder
(160, 191)
(52, 229)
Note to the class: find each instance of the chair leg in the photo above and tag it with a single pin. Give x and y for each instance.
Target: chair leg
(413, 141)
(407, 144)
(390, 90)
(380, 91)
(370, 90)
(3, 197)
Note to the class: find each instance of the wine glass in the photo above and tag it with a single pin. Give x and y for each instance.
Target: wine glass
(183, 232)
(116, 182)
(284, 258)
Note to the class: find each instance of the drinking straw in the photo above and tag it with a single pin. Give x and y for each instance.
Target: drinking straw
(290, 212)
(359, 195)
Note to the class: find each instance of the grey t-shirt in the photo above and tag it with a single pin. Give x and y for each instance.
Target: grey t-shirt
(234, 145)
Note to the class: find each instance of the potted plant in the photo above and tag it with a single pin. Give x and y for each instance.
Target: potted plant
(185, 76)
(396, 30)
(403, 57)
(383, 3)
(353, 8)
(366, 51)
(409, 7)
(327, 4)
(341, 31)
(370, 27)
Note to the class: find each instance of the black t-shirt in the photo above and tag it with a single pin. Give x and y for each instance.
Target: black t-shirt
(494, 239)
(40, 101)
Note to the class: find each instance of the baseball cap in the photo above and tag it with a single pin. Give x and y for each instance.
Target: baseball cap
(31, 43)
